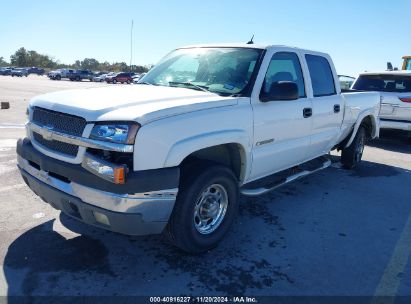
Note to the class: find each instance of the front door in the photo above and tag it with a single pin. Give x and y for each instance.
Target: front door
(282, 128)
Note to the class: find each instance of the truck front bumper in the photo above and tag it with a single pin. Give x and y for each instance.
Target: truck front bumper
(132, 213)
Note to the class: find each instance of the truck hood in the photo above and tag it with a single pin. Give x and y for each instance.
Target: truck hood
(141, 103)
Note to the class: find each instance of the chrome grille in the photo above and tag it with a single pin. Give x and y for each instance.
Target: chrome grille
(60, 122)
(55, 145)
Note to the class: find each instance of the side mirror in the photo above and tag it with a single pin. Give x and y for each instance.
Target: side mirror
(281, 90)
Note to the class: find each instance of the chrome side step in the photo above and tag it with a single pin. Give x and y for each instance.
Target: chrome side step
(291, 178)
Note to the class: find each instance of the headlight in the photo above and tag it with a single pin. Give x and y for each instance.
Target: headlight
(121, 132)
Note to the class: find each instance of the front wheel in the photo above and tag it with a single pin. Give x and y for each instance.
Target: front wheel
(114, 81)
(205, 209)
(351, 156)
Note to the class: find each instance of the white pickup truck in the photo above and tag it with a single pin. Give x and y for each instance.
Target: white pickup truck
(172, 153)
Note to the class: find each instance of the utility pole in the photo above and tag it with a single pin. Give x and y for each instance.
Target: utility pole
(131, 43)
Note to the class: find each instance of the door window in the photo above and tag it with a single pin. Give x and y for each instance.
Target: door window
(284, 66)
(322, 78)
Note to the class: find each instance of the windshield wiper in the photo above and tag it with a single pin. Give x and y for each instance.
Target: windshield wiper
(145, 82)
(200, 87)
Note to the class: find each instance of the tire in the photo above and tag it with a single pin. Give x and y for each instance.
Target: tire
(128, 81)
(351, 156)
(114, 81)
(58, 77)
(77, 78)
(185, 229)
(101, 80)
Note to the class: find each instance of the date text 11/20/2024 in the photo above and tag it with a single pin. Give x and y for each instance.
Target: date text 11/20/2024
(203, 299)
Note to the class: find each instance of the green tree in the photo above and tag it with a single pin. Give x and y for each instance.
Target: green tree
(90, 64)
(19, 58)
(3, 62)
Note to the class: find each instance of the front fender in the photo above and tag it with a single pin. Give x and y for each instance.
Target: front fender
(183, 148)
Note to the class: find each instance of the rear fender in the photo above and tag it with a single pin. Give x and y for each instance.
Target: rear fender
(375, 123)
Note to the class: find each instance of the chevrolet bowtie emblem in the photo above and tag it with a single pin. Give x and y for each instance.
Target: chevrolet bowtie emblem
(48, 136)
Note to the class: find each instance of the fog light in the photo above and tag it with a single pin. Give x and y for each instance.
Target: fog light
(111, 172)
(101, 218)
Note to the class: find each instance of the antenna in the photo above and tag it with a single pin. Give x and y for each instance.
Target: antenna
(131, 43)
(251, 41)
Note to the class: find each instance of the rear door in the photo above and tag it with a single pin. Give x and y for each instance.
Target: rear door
(327, 104)
(281, 129)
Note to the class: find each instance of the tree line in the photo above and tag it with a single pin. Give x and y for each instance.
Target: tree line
(27, 58)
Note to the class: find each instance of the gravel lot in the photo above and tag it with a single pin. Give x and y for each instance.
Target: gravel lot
(335, 233)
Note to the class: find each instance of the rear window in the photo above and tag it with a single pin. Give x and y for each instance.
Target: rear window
(384, 83)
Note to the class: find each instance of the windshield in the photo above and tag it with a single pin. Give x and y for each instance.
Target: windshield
(223, 71)
(384, 83)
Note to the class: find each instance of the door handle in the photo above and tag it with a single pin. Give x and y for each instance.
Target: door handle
(337, 108)
(307, 112)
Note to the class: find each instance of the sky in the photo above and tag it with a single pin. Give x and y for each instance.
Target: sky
(359, 34)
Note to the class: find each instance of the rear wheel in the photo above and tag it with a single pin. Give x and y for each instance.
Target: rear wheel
(128, 81)
(58, 77)
(351, 156)
(77, 78)
(205, 209)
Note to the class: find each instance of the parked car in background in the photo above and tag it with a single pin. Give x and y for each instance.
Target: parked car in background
(5, 71)
(19, 72)
(122, 77)
(100, 77)
(136, 78)
(79, 75)
(346, 82)
(395, 90)
(60, 73)
(35, 70)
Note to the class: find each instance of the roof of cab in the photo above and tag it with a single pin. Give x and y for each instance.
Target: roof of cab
(247, 46)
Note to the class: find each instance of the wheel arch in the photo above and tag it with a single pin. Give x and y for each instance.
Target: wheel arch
(371, 124)
(218, 148)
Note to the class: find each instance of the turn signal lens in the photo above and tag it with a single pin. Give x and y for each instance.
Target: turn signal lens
(119, 175)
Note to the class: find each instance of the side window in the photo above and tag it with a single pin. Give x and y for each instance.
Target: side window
(321, 75)
(284, 66)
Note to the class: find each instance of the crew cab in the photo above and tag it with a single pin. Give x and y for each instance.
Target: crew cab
(172, 153)
(395, 90)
